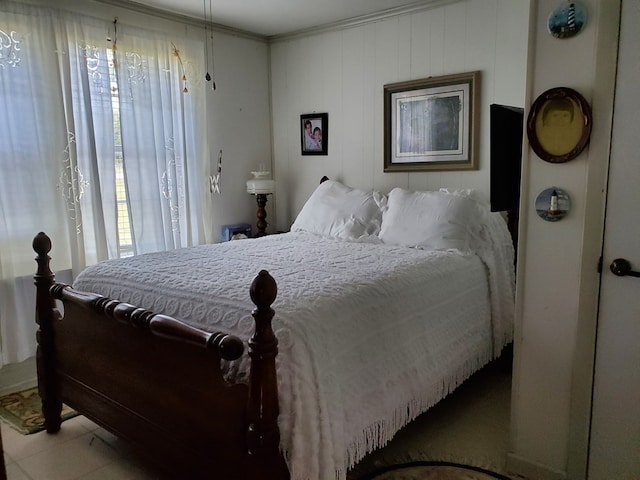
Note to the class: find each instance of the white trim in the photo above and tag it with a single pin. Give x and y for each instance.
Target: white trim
(361, 20)
(137, 7)
(167, 15)
(18, 376)
(529, 469)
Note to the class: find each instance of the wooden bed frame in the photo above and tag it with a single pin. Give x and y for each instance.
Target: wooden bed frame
(156, 381)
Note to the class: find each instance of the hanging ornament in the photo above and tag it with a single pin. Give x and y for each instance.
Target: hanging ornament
(115, 34)
(176, 53)
(208, 41)
(114, 41)
(214, 180)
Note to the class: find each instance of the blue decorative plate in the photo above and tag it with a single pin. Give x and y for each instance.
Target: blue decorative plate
(553, 204)
(567, 20)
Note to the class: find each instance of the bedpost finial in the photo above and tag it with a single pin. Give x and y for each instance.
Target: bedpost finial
(41, 244)
(230, 347)
(263, 290)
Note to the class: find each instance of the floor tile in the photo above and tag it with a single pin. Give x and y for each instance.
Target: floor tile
(19, 446)
(119, 445)
(129, 467)
(69, 460)
(119, 470)
(86, 423)
(15, 473)
(473, 423)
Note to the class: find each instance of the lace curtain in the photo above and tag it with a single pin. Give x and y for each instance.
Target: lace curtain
(73, 106)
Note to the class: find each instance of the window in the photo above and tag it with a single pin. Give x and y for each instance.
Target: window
(88, 142)
(125, 244)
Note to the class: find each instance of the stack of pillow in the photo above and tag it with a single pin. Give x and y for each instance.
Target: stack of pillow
(430, 220)
(335, 210)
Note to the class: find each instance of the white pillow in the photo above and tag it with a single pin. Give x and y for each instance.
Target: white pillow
(466, 192)
(335, 210)
(430, 220)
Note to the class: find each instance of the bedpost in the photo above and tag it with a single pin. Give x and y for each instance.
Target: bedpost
(263, 435)
(46, 315)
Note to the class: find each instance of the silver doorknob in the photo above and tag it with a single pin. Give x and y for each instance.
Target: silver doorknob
(622, 268)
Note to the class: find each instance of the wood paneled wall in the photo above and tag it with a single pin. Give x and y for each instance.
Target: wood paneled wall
(343, 72)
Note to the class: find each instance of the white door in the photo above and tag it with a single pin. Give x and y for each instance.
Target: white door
(615, 430)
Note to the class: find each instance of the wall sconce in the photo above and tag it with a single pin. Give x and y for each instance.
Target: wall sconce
(261, 186)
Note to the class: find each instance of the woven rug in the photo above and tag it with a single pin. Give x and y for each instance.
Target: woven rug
(22, 411)
(430, 470)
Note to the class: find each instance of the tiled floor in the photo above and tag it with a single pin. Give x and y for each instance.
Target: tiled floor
(470, 426)
(80, 450)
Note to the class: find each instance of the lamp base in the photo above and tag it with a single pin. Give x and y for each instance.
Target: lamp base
(261, 198)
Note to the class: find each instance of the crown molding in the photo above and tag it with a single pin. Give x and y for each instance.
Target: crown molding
(177, 17)
(361, 20)
(358, 21)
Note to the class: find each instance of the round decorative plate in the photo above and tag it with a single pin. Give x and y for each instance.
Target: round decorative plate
(553, 204)
(567, 20)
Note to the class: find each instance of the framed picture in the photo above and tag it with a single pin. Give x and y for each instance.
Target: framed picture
(314, 133)
(431, 124)
(559, 125)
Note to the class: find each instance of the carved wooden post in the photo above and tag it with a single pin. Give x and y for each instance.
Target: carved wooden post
(263, 436)
(3, 467)
(46, 315)
(261, 198)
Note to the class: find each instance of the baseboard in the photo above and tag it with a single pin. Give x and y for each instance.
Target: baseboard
(18, 376)
(532, 470)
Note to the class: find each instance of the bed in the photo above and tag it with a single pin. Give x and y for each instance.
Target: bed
(383, 305)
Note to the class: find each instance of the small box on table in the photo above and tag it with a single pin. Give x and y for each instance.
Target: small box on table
(228, 231)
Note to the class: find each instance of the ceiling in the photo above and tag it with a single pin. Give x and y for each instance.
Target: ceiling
(279, 17)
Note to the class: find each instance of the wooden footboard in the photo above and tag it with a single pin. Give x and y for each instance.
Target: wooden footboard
(156, 381)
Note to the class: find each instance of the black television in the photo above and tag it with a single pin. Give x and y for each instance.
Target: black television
(506, 125)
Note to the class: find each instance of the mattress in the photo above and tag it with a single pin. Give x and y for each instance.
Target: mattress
(370, 335)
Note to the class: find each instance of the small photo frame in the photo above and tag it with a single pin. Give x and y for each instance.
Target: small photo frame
(431, 124)
(314, 133)
(559, 125)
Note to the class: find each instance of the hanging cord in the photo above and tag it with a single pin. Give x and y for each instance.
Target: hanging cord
(213, 66)
(115, 33)
(114, 42)
(207, 77)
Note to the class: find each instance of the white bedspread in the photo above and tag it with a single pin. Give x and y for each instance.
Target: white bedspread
(370, 335)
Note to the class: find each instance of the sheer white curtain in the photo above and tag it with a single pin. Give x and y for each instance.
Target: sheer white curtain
(60, 97)
(160, 139)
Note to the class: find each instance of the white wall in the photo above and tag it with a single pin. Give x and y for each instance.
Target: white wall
(240, 126)
(557, 281)
(343, 72)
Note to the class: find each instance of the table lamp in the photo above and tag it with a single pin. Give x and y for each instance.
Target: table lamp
(261, 186)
